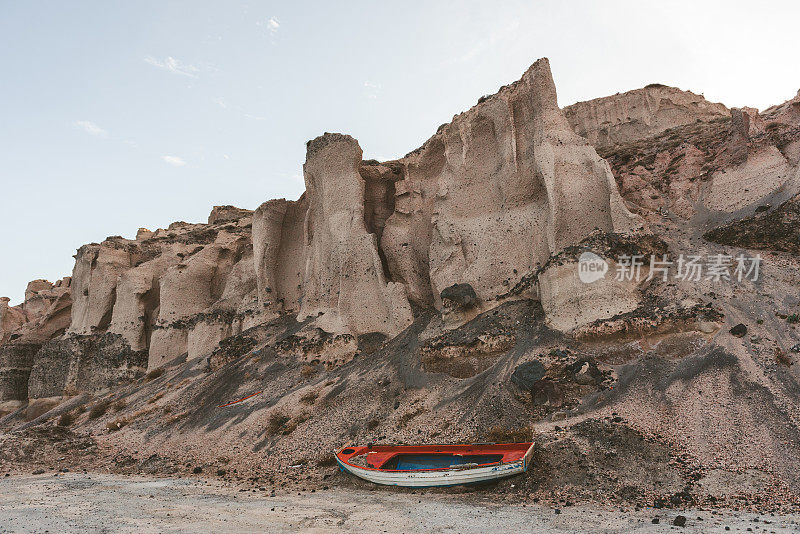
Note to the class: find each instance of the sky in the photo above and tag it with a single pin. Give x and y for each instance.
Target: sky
(116, 115)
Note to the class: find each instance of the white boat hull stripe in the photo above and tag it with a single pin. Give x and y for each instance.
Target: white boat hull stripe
(449, 477)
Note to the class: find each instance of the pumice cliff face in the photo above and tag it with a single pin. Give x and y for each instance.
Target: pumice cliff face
(466, 292)
(344, 284)
(640, 113)
(495, 193)
(482, 206)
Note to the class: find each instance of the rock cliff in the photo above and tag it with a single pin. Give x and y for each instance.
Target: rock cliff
(673, 152)
(437, 297)
(484, 205)
(484, 202)
(638, 114)
(43, 316)
(344, 284)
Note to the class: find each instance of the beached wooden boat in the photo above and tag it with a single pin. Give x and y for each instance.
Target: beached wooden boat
(435, 465)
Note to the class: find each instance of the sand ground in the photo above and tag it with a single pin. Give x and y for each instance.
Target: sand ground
(77, 502)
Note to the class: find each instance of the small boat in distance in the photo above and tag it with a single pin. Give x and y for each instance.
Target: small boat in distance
(435, 465)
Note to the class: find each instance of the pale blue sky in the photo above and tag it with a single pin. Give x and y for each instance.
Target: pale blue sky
(116, 115)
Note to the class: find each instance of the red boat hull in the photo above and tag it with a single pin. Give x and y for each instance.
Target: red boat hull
(435, 465)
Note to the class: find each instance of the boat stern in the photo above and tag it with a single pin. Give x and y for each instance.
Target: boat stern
(526, 460)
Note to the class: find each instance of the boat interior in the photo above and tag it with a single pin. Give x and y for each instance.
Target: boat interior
(424, 457)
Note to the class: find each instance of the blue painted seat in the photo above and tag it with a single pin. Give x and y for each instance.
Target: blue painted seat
(412, 462)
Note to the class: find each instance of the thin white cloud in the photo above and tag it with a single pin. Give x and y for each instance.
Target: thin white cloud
(490, 41)
(173, 65)
(175, 161)
(91, 128)
(236, 108)
(273, 25)
(372, 89)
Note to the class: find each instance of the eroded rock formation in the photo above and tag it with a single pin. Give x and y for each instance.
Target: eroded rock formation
(495, 193)
(638, 114)
(11, 318)
(344, 284)
(474, 239)
(483, 204)
(705, 161)
(278, 244)
(44, 315)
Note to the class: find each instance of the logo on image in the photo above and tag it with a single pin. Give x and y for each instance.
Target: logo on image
(591, 267)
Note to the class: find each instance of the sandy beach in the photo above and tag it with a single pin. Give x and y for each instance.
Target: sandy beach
(81, 502)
